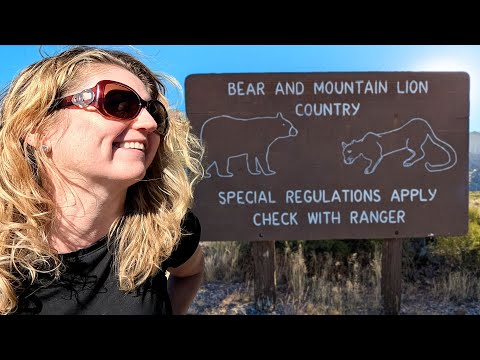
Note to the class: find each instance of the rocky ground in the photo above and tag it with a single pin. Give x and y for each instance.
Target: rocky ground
(237, 299)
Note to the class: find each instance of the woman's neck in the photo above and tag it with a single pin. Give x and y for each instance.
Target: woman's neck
(84, 215)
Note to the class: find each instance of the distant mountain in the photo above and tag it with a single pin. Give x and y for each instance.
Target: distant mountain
(474, 147)
(474, 161)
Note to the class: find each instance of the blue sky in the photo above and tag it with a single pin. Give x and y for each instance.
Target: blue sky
(180, 61)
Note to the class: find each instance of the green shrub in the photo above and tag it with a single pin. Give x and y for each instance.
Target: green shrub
(461, 252)
(339, 249)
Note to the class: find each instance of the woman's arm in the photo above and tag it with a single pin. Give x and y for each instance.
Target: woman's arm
(184, 282)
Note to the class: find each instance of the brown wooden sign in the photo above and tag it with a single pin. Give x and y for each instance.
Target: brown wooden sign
(310, 156)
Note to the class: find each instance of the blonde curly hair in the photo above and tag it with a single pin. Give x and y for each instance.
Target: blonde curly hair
(144, 236)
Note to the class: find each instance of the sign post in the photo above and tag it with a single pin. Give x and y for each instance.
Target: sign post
(391, 282)
(264, 275)
(345, 155)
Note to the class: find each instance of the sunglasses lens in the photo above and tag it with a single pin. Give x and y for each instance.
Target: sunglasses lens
(123, 103)
(159, 114)
(120, 102)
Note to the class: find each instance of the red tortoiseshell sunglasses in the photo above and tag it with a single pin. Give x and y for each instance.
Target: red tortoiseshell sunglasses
(117, 101)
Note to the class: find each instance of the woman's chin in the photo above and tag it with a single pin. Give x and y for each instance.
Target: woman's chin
(130, 175)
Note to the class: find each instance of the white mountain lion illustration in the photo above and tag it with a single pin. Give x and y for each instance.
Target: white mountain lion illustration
(412, 137)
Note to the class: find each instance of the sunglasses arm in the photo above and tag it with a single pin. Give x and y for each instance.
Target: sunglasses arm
(82, 99)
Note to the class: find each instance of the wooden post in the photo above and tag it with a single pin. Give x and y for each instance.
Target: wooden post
(264, 275)
(391, 275)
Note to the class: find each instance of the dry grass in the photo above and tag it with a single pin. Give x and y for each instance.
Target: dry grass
(325, 286)
(456, 286)
(329, 287)
(317, 284)
(222, 261)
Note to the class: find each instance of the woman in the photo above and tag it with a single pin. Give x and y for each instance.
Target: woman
(96, 183)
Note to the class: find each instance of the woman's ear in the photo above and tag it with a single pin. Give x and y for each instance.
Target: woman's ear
(32, 139)
(38, 142)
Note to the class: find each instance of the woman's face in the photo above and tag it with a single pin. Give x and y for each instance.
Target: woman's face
(101, 150)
